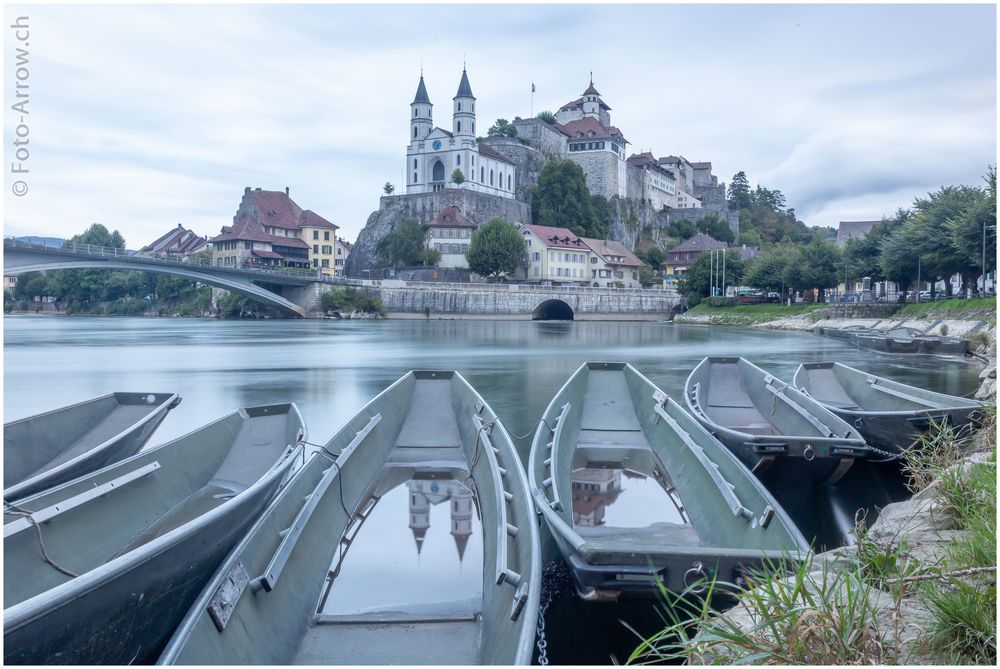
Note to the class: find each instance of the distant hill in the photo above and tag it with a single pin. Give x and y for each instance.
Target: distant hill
(44, 241)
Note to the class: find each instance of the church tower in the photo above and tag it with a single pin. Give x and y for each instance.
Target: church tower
(464, 116)
(421, 113)
(461, 517)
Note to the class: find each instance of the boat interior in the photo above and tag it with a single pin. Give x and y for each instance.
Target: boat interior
(854, 390)
(412, 501)
(99, 517)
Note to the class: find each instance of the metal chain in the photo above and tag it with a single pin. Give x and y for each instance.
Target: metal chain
(17, 511)
(555, 576)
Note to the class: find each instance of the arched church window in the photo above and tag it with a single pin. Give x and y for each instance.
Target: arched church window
(414, 113)
(491, 177)
(414, 133)
(458, 159)
(459, 106)
(482, 175)
(509, 182)
(473, 127)
(414, 177)
(460, 126)
(414, 163)
(437, 173)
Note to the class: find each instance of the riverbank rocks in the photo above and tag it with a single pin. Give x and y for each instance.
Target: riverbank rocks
(988, 379)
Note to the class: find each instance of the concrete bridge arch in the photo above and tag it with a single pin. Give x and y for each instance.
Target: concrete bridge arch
(552, 310)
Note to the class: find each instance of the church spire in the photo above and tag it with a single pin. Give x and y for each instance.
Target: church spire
(464, 89)
(421, 97)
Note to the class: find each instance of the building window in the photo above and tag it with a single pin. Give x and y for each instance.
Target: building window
(326, 235)
(315, 248)
(414, 177)
(460, 126)
(248, 245)
(482, 175)
(315, 263)
(315, 234)
(509, 182)
(414, 132)
(326, 263)
(459, 106)
(491, 177)
(458, 159)
(327, 250)
(536, 256)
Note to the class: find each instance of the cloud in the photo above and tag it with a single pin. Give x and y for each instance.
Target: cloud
(155, 115)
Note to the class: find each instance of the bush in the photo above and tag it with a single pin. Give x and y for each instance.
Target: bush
(346, 299)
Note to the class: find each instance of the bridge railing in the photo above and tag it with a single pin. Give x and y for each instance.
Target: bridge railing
(88, 250)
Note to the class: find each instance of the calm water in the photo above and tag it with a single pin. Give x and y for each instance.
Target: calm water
(330, 369)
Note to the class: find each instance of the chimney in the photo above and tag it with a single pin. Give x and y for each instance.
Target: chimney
(246, 191)
(286, 190)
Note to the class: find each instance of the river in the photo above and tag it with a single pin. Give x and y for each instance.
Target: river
(330, 369)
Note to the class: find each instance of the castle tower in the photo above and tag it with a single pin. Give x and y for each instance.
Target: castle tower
(592, 100)
(464, 115)
(421, 113)
(461, 517)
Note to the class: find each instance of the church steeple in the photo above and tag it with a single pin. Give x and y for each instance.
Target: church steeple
(464, 116)
(421, 113)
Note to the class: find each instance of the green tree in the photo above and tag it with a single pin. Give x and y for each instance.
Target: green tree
(457, 177)
(404, 245)
(604, 216)
(815, 266)
(561, 198)
(502, 128)
(388, 188)
(716, 228)
(546, 116)
(431, 257)
(739, 191)
(966, 231)
(496, 248)
(682, 229)
(749, 238)
(767, 271)
(652, 255)
(698, 282)
(98, 235)
(646, 276)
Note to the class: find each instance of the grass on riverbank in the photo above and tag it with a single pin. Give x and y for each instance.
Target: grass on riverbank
(978, 308)
(857, 608)
(749, 314)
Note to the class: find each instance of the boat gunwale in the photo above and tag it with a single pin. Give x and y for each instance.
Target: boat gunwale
(29, 610)
(15, 494)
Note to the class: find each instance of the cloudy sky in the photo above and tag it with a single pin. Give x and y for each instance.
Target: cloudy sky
(145, 117)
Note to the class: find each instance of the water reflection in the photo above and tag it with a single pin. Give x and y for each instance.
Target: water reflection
(633, 492)
(421, 543)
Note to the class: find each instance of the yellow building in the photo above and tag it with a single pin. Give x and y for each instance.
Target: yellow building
(555, 254)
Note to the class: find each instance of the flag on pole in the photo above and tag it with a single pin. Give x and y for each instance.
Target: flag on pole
(532, 87)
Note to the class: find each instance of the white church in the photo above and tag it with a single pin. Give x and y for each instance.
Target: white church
(434, 154)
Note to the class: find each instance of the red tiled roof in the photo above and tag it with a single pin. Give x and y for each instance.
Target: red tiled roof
(589, 124)
(179, 240)
(450, 217)
(578, 104)
(276, 208)
(591, 90)
(557, 238)
(611, 249)
(247, 229)
(310, 218)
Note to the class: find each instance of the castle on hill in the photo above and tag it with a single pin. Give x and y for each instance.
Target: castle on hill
(582, 132)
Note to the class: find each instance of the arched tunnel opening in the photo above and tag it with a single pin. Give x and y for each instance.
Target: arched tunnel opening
(552, 310)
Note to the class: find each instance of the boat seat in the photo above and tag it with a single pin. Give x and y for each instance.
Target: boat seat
(742, 419)
(447, 642)
(609, 545)
(624, 438)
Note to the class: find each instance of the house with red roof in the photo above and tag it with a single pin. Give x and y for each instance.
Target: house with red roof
(270, 229)
(683, 256)
(449, 233)
(612, 264)
(179, 242)
(554, 255)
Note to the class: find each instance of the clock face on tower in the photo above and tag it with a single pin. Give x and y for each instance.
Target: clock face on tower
(436, 144)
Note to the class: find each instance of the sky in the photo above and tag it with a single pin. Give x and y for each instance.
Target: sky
(143, 117)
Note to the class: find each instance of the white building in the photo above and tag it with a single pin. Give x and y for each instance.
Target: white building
(611, 264)
(554, 255)
(449, 234)
(659, 185)
(434, 154)
(342, 249)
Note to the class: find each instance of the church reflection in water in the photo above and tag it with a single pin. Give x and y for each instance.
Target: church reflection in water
(425, 493)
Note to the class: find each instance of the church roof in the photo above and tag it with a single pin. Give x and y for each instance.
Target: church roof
(421, 96)
(591, 90)
(487, 152)
(464, 89)
(584, 126)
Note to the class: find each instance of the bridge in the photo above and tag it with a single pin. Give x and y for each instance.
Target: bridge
(298, 292)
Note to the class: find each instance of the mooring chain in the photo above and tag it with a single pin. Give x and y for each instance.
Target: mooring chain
(17, 511)
(555, 576)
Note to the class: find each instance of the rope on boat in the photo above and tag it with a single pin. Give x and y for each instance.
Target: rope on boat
(17, 511)
(340, 479)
